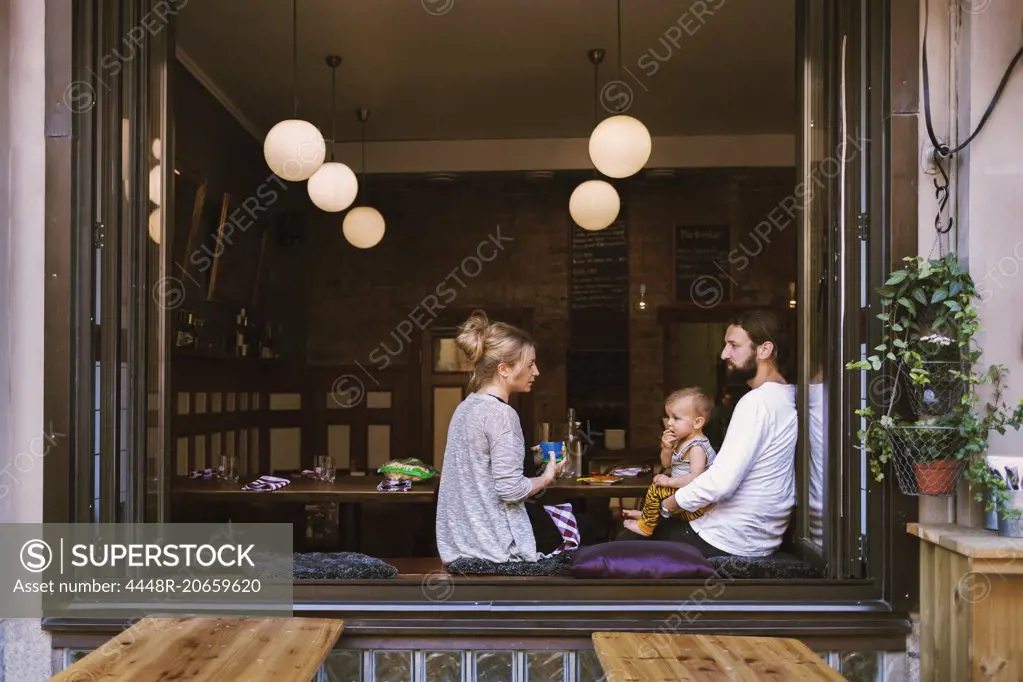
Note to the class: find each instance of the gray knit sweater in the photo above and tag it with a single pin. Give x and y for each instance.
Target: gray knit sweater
(481, 509)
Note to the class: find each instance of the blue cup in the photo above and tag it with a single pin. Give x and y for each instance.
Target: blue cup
(553, 451)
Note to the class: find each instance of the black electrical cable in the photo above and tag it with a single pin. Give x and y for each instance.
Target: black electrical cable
(940, 148)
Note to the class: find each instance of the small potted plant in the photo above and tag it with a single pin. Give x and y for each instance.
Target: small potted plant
(928, 346)
(940, 383)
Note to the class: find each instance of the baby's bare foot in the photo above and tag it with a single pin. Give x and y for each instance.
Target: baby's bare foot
(633, 525)
(631, 514)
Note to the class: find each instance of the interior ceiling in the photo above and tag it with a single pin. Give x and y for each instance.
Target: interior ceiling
(486, 69)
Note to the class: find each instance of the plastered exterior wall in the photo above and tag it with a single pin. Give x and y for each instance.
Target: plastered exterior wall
(991, 212)
(969, 46)
(25, 654)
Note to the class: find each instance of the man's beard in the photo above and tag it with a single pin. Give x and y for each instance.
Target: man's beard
(743, 372)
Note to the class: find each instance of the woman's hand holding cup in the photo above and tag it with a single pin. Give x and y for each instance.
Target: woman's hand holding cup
(554, 456)
(554, 470)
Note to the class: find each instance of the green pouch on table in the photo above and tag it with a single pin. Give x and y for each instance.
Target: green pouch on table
(410, 469)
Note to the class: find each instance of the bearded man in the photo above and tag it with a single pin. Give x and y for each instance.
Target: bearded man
(741, 505)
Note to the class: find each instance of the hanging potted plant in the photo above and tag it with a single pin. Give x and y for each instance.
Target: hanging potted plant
(930, 321)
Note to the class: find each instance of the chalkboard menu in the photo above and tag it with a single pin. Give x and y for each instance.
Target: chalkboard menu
(599, 281)
(701, 261)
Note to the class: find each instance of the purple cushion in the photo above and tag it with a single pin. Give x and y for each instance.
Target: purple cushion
(641, 559)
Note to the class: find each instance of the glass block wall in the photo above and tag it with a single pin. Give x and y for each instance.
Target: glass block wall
(383, 665)
(524, 666)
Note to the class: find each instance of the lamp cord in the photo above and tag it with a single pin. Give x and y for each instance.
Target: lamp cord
(333, 111)
(596, 100)
(943, 151)
(363, 183)
(618, 23)
(294, 54)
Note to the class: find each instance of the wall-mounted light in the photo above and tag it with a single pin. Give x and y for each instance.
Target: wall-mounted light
(642, 298)
(792, 295)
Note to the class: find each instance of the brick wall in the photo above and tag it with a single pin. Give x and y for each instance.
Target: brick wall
(357, 300)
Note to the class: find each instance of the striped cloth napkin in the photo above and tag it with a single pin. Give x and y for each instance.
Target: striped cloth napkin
(565, 521)
(388, 486)
(631, 470)
(265, 484)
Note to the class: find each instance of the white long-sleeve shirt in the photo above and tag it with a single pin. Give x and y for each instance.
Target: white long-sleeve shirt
(752, 483)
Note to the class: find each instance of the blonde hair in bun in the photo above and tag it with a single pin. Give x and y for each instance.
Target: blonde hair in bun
(487, 344)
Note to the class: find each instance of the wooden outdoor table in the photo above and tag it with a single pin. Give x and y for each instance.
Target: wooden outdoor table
(303, 490)
(211, 650)
(636, 657)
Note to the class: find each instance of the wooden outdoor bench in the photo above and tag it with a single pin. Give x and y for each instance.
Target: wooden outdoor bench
(643, 656)
(211, 650)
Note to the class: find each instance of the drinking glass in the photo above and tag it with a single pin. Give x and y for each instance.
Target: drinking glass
(229, 468)
(325, 469)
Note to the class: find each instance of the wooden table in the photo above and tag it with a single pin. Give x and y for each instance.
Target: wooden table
(191, 494)
(304, 490)
(363, 489)
(639, 657)
(211, 650)
(605, 458)
(567, 488)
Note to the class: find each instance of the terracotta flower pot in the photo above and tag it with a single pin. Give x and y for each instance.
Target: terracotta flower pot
(936, 478)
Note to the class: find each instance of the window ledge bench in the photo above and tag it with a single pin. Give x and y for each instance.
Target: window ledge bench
(971, 595)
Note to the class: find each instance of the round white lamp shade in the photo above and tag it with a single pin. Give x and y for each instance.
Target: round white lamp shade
(363, 227)
(294, 149)
(620, 146)
(154, 225)
(594, 205)
(154, 185)
(333, 187)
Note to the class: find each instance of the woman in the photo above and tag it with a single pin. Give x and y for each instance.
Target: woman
(481, 505)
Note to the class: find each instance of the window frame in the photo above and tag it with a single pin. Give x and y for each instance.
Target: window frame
(880, 599)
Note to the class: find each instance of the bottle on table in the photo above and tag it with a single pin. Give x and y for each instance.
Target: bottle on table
(573, 445)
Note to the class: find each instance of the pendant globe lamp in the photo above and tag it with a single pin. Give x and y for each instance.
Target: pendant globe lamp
(333, 186)
(620, 145)
(594, 204)
(294, 149)
(364, 226)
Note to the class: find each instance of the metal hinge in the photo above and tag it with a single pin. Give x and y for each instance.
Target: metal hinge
(99, 233)
(862, 226)
(861, 547)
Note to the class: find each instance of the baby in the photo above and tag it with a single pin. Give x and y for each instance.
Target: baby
(684, 448)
